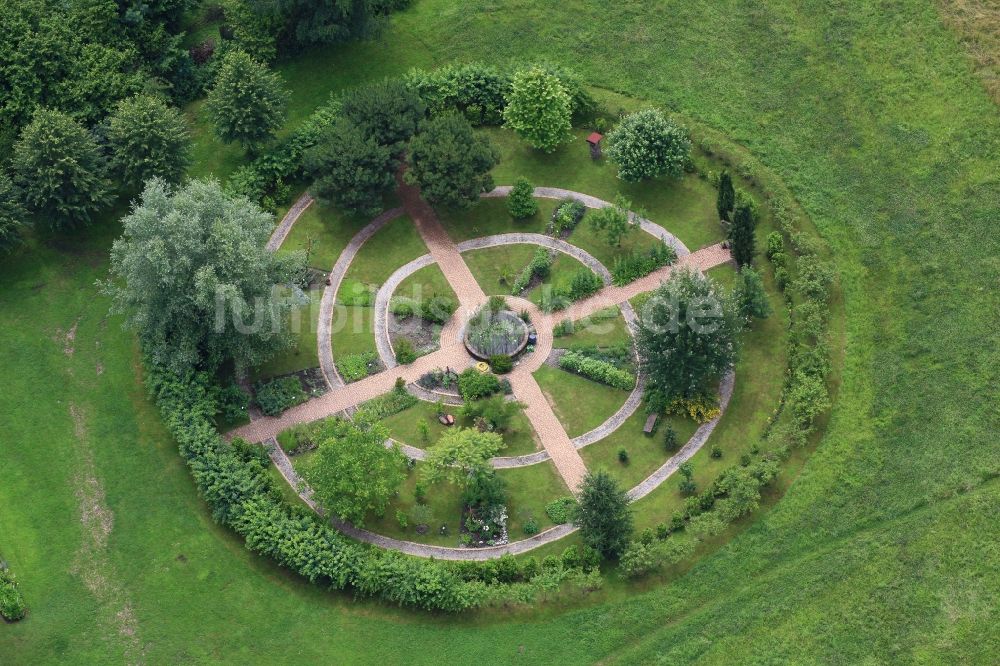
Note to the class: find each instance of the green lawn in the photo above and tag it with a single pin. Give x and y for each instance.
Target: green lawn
(490, 217)
(428, 282)
(520, 438)
(645, 453)
(352, 331)
(580, 404)
(601, 329)
(685, 206)
(322, 232)
(303, 353)
(395, 244)
(488, 264)
(878, 547)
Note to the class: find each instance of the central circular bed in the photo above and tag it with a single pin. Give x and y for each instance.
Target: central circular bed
(500, 333)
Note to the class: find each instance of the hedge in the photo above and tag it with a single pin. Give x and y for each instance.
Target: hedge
(599, 371)
(244, 497)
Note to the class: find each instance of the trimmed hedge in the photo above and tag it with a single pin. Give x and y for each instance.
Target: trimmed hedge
(599, 371)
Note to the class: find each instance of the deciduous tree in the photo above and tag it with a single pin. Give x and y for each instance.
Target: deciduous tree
(12, 214)
(646, 144)
(353, 473)
(148, 138)
(60, 169)
(192, 275)
(614, 221)
(460, 454)
(539, 109)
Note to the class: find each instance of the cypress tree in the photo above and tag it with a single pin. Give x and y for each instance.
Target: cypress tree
(741, 231)
(727, 196)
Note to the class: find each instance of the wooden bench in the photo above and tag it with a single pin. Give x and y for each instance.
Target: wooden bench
(650, 426)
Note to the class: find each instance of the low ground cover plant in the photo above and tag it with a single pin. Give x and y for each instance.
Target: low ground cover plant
(277, 395)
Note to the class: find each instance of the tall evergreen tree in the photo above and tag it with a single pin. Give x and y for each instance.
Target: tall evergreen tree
(12, 214)
(450, 162)
(247, 102)
(60, 169)
(521, 202)
(387, 111)
(742, 228)
(148, 138)
(350, 169)
(751, 299)
(603, 515)
(727, 197)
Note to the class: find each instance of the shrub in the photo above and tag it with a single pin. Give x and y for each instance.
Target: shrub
(353, 367)
(405, 354)
(775, 244)
(501, 364)
(402, 519)
(475, 385)
(233, 403)
(716, 451)
(531, 526)
(599, 371)
(521, 201)
(701, 408)
(567, 216)
(384, 406)
(553, 300)
(561, 510)
(495, 412)
(585, 283)
(635, 265)
(539, 266)
(563, 328)
(278, 395)
(476, 90)
(12, 606)
(623, 456)
(670, 439)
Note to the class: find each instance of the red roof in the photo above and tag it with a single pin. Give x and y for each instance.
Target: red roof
(595, 138)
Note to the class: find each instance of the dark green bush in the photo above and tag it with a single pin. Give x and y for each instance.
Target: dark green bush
(277, 395)
(501, 364)
(475, 385)
(405, 354)
(561, 510)
(599, 371)
(585, 283)
(635, 265)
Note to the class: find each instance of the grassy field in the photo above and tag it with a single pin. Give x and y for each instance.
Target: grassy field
(882, 548)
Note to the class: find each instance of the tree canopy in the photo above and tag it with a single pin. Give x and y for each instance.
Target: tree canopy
(521, 202)
(148, 138)
(12, 214)
(539, 109)
(388, 112)
(603, 514)
(687, 336)
(727, 197)
(192, 275)
(350, 169)
(450, 162)
(646, 144)
(247, 102)
(60, 170)
(460, 454)
(743, 228)
(353, 473)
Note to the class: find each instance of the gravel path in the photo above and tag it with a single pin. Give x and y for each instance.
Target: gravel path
(324, 327)
(280, 232)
